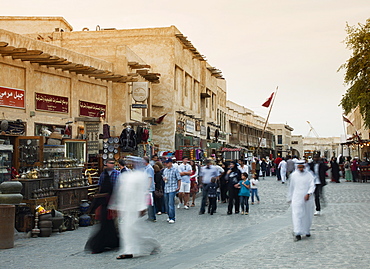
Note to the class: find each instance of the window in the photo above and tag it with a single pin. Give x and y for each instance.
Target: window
(213, 101)
(280, 139)
(178, 78)
(188, 84)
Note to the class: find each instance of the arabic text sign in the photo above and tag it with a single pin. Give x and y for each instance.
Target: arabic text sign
(92, 109)
(53, 103)
(12, 97)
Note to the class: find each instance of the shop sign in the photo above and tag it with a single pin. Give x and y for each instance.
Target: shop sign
(139, 106)
(190, 126)
(230, 149)
(180, 126)
(136, 114)
(12, 97)
(263, 142)
(92, 110)
(203, 130)
(140, 91)
(52, 103)
(222, 136)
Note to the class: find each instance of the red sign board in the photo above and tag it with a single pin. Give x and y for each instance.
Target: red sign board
(92, 110)
(12, 97)
(52, 103)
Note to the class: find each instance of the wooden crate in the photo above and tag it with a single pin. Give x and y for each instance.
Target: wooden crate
(70, 198)
(48, 203)
(30, 185)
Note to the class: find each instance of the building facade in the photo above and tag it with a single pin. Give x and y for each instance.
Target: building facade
(326, 147)
(283, 135)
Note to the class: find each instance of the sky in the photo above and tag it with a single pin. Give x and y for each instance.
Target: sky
(259, 45)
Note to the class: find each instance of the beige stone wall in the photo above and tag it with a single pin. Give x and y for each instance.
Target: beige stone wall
(32, 78)
(358, 124)
(183, 78)
(297, 144)
(27, 25)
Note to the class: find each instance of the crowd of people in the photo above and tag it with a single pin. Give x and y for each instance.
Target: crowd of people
(143, 187)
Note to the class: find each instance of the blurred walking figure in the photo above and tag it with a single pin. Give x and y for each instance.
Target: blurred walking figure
(131, 201)
(207, 172)
(105, 234)
(319, 168)
(301, 189)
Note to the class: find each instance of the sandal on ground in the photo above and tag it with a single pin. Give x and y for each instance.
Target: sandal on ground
(192, 205)
(127, 256)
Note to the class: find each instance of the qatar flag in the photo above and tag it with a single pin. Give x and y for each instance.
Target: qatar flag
(268, 101)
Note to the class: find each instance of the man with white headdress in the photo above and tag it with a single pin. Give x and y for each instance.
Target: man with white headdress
(282, 167)
(301, 188)
(131, 202)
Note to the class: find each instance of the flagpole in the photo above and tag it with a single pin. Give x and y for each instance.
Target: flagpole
(344, 127)
(268, 116)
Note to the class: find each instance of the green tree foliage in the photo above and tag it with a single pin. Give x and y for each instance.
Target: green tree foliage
(357, 68)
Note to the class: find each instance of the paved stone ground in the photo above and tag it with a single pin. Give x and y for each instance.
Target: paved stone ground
(263, 239)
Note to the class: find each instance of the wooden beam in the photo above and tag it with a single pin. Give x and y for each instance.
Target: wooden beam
(12, 49)
(139, 66)
(50, 61)
(28, 53)
(132, 74)
(132, 63)
(33, 57)
(142, 72)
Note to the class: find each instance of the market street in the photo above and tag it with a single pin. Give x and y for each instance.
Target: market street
(340, 237)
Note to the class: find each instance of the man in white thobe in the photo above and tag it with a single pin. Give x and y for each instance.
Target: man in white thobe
(131, 200)
(282, 167)
(301, 188)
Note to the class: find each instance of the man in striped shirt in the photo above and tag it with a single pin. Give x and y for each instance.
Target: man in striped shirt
(172, 182)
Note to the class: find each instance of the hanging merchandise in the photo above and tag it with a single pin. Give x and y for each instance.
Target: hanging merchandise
(192, 154)
(67, 130)
(106, 131)
(179, 154)
(128, 140)
(139, 133)
(140, 150)
(208, 133)
(145, 135)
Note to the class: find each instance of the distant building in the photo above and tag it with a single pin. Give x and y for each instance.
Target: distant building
(283, 135)
(308, 146)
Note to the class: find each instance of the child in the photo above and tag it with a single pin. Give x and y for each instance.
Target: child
(254, 188)
(212, 195)
(244, 193)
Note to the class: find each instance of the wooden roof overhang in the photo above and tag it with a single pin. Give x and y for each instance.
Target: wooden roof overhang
(143, 70)
(42, 58)
(188, 45)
